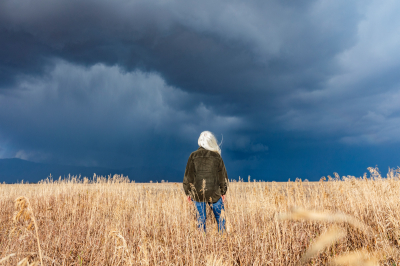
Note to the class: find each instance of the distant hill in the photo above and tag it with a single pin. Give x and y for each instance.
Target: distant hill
(15, 170)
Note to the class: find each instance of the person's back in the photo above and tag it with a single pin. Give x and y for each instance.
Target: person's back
(206, 176)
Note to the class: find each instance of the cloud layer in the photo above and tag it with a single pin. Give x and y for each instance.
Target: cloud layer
(121, 83)
(101, 112)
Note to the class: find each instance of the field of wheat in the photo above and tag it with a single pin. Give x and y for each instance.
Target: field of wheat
(112, 221)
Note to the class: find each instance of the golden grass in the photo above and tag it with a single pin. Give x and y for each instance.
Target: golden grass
(24, 213)
(111, 221)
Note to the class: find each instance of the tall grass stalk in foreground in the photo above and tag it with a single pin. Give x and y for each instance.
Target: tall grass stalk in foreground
(112, 221)
(24, 212)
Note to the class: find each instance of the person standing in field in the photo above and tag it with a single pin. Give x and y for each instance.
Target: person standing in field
(205, 180)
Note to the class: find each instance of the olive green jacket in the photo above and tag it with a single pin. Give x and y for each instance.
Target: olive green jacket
(205, 177)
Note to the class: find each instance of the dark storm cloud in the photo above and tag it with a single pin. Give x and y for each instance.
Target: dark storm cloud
(204, 47)
(99, 110)
(93, 82)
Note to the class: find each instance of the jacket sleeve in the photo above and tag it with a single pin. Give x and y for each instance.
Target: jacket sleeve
(222, 178)
(188, 179)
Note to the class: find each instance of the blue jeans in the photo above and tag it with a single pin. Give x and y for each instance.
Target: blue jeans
(217, 208)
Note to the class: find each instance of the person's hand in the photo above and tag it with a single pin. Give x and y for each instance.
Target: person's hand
(223, 198)
(189, 199)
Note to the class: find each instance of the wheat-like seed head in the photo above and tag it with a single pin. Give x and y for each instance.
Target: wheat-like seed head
(333, 234)
(203, 187)
(21, 203)
(356, 258)
(301, 214)
(22, 206)
(23, 262)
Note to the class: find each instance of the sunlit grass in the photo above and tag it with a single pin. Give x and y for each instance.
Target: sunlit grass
(112, 221)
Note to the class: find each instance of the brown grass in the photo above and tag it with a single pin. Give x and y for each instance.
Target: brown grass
(111, 221)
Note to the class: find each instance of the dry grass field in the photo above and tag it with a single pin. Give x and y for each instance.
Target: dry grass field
(111, 221)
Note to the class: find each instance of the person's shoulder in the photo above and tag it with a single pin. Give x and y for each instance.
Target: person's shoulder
(216, 155)
(196, 153)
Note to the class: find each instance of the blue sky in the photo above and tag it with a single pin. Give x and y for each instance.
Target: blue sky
(296, 88)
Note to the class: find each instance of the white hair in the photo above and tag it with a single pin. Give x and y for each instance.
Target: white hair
(208, 141)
